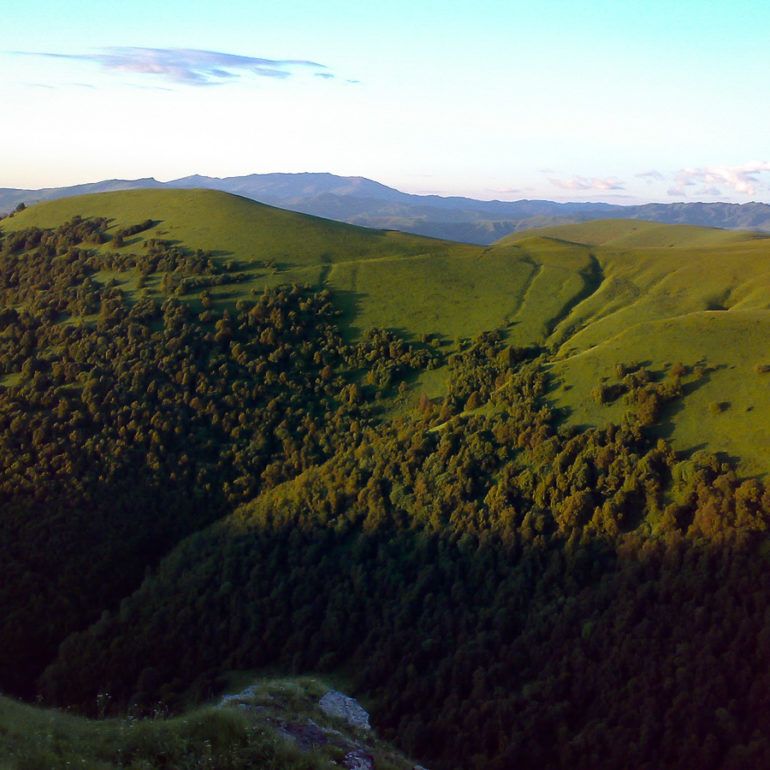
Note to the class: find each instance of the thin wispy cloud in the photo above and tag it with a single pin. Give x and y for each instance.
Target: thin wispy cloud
(716, 181)
(187, 66)
(651, 176)
(588, 183)
(746, 179)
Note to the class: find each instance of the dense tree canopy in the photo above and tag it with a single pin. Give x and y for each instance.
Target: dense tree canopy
(128, 426)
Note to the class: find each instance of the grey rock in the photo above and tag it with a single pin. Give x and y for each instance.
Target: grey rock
(337, 704)
(244, 696)
(358, 760)
(306, 737)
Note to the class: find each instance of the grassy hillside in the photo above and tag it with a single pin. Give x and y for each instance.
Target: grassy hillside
(382, 278)
(596, 294)
(43, 738)
(276, 723)
(668, 294)
(234, 226)
(632, 233)
(270, 245)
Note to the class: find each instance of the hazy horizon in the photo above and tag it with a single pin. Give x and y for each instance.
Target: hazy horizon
(589, 198)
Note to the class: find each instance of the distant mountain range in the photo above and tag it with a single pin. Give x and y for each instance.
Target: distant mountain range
(361, 201)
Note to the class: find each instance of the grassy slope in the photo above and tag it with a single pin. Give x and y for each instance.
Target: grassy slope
(387, 279)
(671, 294)
(596, 293)
(383, 278)
(305, 249)
(231, 738)
(208, 219)
(33, 737)
(635, 234)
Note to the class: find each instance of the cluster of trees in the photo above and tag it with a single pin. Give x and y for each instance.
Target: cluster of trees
(55, 270)
(508, 592)
(122, 433)
(386, 359)
(119, 237)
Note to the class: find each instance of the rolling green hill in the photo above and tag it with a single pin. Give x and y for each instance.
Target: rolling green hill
(222, 222)
(384, 278)
(595, 294)
(633, 233)
(271, 246)
(668, 294)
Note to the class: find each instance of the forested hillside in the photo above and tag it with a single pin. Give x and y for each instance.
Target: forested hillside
(505, 491)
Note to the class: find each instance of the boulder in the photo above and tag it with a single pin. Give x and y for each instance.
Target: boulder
(337, 704)
(358, 760)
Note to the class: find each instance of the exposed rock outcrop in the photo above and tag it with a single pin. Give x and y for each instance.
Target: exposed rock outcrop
(334, 724)
(305, 736)
(337, 704)
(358, 760)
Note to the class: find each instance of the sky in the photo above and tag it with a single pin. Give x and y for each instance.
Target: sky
(618, 100)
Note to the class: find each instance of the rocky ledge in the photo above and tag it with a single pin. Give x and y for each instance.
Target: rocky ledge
(319, 722)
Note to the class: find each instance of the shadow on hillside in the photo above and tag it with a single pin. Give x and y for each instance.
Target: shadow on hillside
(593, 277)
(667, 424)
(465, 644)
(349, 303)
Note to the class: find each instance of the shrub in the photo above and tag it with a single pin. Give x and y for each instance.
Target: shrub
(678, 370)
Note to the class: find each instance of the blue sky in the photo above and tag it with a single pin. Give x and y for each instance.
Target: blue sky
(624, 101)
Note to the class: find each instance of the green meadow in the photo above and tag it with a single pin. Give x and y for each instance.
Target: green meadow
(594, 295)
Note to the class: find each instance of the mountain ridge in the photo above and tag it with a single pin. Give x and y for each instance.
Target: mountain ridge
(368, 203)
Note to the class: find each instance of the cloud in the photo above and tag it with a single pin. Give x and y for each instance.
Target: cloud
(585, 183)
(188, 66)
(651, 176)
(745, 179)
(324, 75)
